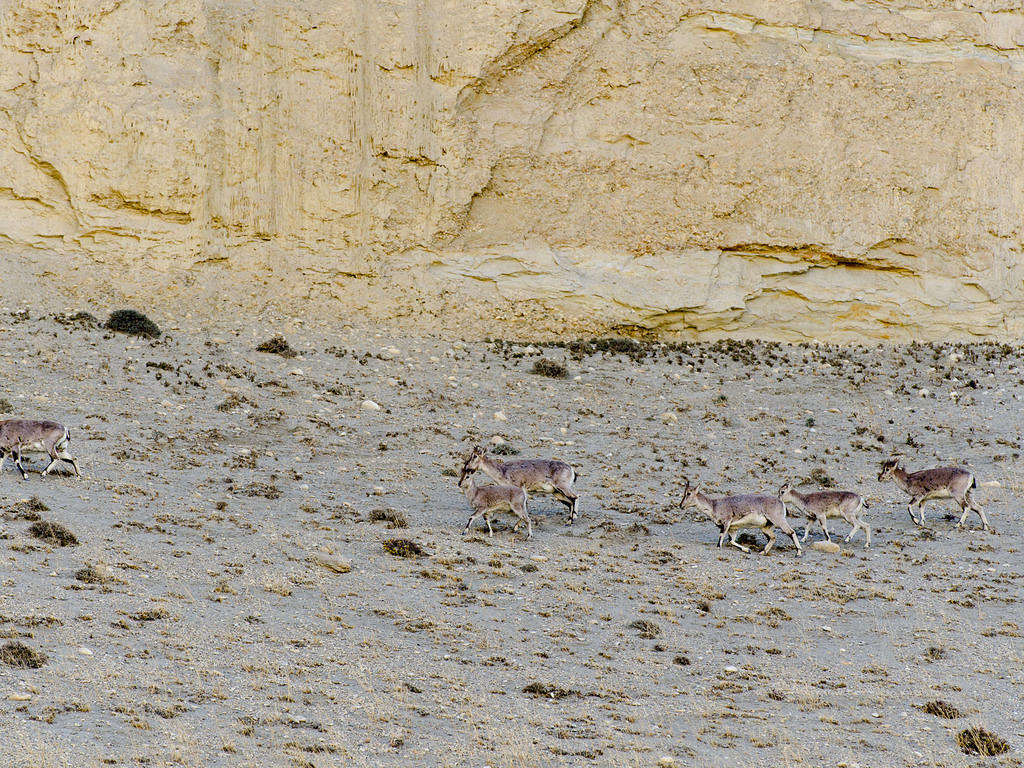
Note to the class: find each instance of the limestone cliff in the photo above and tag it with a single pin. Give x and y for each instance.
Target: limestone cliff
(834, 169)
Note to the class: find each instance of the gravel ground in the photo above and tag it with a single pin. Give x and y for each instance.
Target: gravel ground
(231, 602)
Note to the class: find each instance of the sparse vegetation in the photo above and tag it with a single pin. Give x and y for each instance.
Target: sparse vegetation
(393, 517)
(941, 708)
(53, 533)
(647, 629)
(402, 548)
(549, 691)
(978, 741)
(277, 345)
(232, 559)
(550, 368)
(20, 656)
(132, 322)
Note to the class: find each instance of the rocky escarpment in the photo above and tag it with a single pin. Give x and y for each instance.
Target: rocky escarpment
(787, 170)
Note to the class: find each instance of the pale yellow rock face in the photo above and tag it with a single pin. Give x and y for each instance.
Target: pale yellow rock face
(794, 170)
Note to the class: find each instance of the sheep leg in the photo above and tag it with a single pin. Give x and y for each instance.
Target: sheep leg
(732, 539)
(17, 463)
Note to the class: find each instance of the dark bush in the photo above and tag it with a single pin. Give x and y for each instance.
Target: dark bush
(132, 322)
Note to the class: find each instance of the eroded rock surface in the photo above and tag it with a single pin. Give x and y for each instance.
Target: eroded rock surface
(789, 170)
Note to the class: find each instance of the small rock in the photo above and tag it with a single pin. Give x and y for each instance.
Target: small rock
(669, 418)
(331, 563)
(500, 416)
(731, 669)
(497, 440)
(295, 372)
(369, 405)
(829, 547)
(85, 651)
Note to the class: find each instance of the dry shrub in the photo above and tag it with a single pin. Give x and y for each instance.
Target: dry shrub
(5, 405)
(266, 490)
(550, 368)
(92, 574)
(941, 708)
(233, 401)
(20, 656)
(53, 533)
(403, 548)
(978, 741)
(132, 322)
(79, 319)
(277, 345)
(549, 691)
(504, 449)
(27, 509)
(393, 517)
(648, 629)
(152, 614)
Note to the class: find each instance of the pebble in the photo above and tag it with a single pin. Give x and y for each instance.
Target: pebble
(500, 416)
(19, 697)
(85, 651)
(826, 546)
(669, 418)
(497, 440)
(295, 372)
(331, 563)
(730, 669)
(369, 405)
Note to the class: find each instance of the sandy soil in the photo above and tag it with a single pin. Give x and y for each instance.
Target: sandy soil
(241, 610)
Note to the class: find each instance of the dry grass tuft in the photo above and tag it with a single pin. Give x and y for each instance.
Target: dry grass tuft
(393, 517)
(978, 741)
(27, 509)
(549, 691)
(20, 656)
(403, 548)
(941, 708)
(92, 574)
(550, 368)
(648, 629)
(152, 614)
(53, 533)
(266, 490)
(235, 400)
(277, 345)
